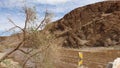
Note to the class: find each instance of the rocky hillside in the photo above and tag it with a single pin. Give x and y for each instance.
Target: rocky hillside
(92, 25)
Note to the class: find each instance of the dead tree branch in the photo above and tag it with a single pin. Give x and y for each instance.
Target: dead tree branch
(34, 55)
(11, 21)
(9, 53)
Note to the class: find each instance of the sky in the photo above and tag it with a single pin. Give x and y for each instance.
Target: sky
(14, 9)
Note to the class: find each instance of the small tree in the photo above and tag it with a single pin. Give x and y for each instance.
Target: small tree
(31, 34)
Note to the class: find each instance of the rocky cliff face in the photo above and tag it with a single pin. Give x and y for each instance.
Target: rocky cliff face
(92, 25)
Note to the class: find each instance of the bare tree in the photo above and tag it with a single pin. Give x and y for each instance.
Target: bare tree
(30, 17)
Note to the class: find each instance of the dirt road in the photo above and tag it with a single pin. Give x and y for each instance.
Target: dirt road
(92, 58)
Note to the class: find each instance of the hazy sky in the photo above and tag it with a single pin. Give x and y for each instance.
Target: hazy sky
(13, 9)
